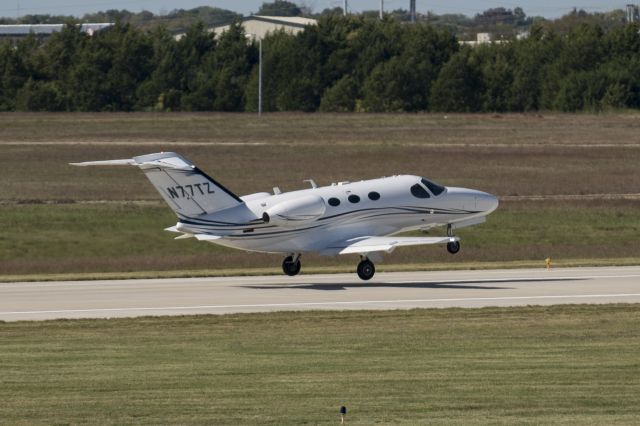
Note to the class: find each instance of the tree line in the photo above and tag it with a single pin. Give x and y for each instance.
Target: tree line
(342, 64)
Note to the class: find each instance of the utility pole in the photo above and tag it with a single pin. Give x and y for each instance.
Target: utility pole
(381, 8)
(18, 10)
(412, 10)
(344, 8)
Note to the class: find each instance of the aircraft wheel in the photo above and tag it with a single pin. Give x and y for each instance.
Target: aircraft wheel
(290, 267)
(366, 269)
(453, 247)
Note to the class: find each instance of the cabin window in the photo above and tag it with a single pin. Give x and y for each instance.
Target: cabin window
(433, 187)
(354, 198)
(373, 195)
(418, 191)
(334, 202)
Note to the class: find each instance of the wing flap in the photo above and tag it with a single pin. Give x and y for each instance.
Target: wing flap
(388, 244)
(125, 162)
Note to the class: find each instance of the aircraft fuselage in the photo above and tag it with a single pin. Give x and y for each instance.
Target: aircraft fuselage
(376, 207)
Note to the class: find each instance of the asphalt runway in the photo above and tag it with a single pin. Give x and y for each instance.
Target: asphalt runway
(402, 290)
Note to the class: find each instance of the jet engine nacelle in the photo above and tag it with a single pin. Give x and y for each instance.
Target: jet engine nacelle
(295, 212)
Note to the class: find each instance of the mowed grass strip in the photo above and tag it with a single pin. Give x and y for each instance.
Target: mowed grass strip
(513, 154)
(332, 129)
(130, 238)
(30, 173)
(533, 365)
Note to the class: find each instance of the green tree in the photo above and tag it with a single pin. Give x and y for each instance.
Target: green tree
(233, 61)
(497, 65)
(341, 97)
(21, 61)
(280, 8)
(196, 49)
(459, 84)
(40, 96)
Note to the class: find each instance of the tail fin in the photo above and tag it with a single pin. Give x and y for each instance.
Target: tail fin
(187, 190)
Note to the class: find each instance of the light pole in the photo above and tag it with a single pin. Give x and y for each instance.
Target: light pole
(253, 37)
(259, 77)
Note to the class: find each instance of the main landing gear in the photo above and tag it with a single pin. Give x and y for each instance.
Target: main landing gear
(291, 265)
(454, 246)
(366, 269)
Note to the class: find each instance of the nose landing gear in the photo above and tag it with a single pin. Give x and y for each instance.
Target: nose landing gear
(291, 265)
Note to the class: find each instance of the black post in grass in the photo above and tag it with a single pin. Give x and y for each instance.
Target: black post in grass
(343, 414)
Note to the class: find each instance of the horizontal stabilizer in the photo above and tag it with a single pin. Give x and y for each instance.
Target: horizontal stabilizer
(207, 237)
(184, 236)
(372, 244)
(125, 162)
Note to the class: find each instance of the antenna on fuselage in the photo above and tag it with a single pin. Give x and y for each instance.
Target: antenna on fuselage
(312, 182)
(276, 191)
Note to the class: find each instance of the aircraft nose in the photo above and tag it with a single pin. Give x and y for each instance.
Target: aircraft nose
(486, 202)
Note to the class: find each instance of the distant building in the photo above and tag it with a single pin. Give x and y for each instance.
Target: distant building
(482, 38)
(259, 26)
(46, 30)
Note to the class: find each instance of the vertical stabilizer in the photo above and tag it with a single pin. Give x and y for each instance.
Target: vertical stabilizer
(188, 191)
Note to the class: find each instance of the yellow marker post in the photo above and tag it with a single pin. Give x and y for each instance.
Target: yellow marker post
(547, 262)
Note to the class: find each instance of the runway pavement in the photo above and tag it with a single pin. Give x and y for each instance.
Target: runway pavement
(403, 290)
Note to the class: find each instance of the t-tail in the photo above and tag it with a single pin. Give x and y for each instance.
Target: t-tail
(188, 191)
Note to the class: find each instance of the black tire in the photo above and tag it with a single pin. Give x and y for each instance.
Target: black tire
(289, 267)
(366, 270)
(453, 247)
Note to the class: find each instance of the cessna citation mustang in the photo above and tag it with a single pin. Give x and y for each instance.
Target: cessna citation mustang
(343, 218)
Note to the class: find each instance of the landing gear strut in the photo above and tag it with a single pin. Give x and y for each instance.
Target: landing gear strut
(366, 269)
(291, 265)
(454, 246)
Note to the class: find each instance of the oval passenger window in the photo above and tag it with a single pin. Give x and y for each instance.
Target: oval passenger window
(373, 195)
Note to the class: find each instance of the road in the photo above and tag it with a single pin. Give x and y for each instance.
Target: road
(402, 290)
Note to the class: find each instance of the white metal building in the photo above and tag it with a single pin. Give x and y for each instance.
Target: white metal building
(258, 26)
(46, 30)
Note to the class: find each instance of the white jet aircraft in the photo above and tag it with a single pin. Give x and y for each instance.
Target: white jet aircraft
(343, 218)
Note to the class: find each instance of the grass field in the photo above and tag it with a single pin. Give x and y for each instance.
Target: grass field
(112, 237)
(582, 168)
(534, 365)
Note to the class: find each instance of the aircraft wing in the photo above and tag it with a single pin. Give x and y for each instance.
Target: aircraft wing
(365, 245)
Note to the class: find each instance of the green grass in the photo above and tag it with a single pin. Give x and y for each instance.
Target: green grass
(534, 365)
(509, 155)
(252, 271)
(128, 238)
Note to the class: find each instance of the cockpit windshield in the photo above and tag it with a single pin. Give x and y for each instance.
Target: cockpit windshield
(433, 187)
(419, 192)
